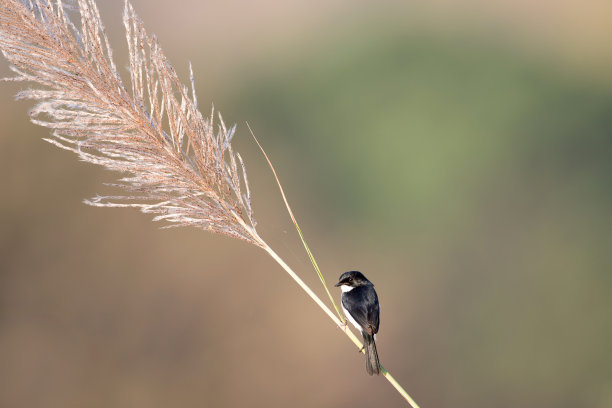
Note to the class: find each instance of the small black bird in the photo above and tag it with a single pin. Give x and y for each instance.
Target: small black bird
(360, 306)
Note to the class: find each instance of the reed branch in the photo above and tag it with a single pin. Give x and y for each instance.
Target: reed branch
(175, 162)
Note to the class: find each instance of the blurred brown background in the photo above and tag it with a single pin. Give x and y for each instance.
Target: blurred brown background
(458, 153)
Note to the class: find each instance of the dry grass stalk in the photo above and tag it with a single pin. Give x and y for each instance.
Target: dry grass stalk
(178, 164)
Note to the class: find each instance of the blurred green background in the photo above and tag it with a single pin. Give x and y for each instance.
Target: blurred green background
(460, 155)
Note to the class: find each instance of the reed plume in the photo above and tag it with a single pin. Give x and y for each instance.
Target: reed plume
(177, 164)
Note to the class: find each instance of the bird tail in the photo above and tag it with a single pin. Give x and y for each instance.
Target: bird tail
(372, 363)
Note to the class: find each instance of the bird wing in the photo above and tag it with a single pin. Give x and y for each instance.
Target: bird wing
(362, 304)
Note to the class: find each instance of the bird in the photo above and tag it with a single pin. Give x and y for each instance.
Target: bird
(360, 306)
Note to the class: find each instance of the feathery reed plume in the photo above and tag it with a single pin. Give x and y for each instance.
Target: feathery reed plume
(178, 164)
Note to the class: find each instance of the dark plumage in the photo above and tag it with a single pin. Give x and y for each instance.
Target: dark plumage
(360, 306)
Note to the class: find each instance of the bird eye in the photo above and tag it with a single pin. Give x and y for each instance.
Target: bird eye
(350, 279)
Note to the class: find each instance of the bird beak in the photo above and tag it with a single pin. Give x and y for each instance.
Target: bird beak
(338, 284)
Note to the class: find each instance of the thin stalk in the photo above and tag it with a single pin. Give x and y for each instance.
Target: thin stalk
(341, 325)
(303, 285)
(398, 387)
(297, 227)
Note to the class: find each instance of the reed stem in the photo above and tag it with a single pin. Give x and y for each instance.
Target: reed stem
(342, 326)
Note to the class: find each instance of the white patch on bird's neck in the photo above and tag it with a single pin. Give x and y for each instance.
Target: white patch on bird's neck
(346, 288)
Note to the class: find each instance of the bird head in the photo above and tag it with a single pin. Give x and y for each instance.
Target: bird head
(352, 279)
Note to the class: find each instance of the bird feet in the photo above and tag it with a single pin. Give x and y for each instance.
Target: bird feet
(344, 325)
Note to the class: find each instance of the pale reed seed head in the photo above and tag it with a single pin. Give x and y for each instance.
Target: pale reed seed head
(178, 164)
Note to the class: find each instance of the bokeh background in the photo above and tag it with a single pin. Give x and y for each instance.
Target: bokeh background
(458, 153)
